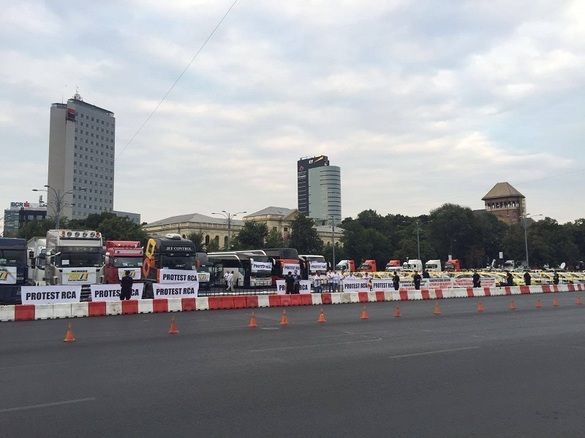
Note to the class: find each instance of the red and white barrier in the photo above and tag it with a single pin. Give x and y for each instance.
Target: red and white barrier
(28, 312)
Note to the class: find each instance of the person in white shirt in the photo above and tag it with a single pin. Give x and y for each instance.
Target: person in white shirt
(317, 283)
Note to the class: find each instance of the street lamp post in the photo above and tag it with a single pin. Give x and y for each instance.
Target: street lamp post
(417, 223)
(526, 216)
(333, 241)
(229, 217)
(59, 200)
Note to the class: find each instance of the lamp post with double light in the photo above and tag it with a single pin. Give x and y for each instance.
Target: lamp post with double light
(229, 216)
(59, 202)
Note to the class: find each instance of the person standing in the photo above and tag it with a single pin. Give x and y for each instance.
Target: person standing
(527, 278)
(231, 281)
(290, 283)
(226, 277)
(509, 279)
(476, 279)
(126, 286)
(417, 279)
(297, 287)
(556, 278)
(317, 283)
(396, 281)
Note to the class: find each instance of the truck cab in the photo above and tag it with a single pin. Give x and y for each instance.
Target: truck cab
(122, 256)
(433, 265)
(37, 252)
(393, 266)
(412, 265)
(452, 265)
(171, 251)
(345, 265)
(13, 269)
(368, 266)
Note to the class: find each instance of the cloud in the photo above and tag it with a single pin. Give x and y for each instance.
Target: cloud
(419, 104)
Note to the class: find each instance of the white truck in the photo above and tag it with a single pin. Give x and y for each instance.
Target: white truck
(74, 257)
(37, 248)
(412, 265)
(433, 265)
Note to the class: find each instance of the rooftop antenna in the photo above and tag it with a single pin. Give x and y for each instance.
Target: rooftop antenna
(77, 95)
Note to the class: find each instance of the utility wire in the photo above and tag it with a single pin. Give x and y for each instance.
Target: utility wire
(178, 79)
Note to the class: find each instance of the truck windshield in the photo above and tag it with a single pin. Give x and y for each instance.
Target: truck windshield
(186, 262)
(11, 257)
(127, 262)
(73, 257)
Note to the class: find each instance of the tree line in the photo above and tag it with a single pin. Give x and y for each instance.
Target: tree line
(475, 238)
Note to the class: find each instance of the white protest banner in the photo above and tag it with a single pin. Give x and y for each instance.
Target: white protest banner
(290, 267)
(260, 266)
(317, 266)
(111, 292)
(437, 283)
(7, 274)
(135, 273)
(305, 286)
(356, 285)
(280, 287)
(177, 276)
(79, 276)
(382, 284)
(63, 293)
(176, 290)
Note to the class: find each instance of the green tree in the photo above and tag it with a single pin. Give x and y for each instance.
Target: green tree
(198, 239)
(304, 236)
(35, 228)
(252, 235)
(275, 240)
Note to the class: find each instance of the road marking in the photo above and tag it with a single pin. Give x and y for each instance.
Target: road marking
(425, 353)
(314, 345)
(47, 405)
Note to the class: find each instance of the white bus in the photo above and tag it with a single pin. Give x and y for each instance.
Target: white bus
(248, 269)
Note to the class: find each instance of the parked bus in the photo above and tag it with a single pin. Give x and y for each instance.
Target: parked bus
(249, 269)
(283, 260)
(311, 264)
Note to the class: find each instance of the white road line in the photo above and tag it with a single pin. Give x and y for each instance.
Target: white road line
(314, 345)
(47, 405)
(425, 353)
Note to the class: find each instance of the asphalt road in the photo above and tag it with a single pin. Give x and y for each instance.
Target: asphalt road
(462, 373)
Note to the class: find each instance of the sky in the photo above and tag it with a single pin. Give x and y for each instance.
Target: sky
(420, 103)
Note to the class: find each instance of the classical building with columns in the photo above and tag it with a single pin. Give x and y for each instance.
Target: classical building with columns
(221, 229)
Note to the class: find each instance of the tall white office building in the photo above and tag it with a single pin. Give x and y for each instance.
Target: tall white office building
(81, 159)
(319, 189)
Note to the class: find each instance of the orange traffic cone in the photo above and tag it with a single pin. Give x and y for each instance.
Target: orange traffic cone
(480, 307)
(437, 311)
(252, 321)
(69, 335)
(512, 305)
(173, 330)
(284, 319)
(556, 302)
(579, 302)
(321, 317)
(538, 304)
(364, 313)
(397, 313)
